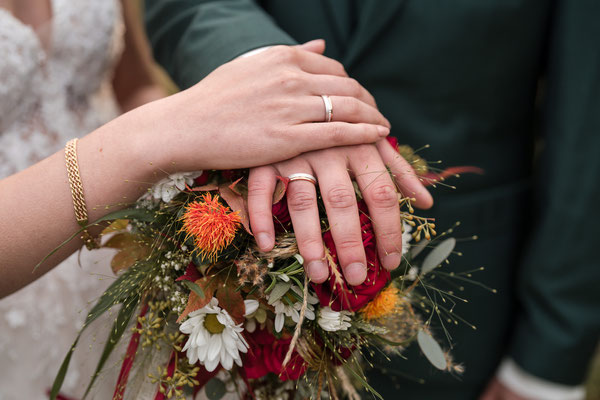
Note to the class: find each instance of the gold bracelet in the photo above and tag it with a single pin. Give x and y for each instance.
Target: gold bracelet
(77, 193)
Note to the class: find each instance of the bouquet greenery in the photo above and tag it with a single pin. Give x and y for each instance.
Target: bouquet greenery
(202, 309)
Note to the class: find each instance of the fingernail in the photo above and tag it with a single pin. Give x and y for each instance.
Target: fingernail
(355, 273)
(317, 271)
(382, 130)
(314, 41)
(264, 241)
(391, 261)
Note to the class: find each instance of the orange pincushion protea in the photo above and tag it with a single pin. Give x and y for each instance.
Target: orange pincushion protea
(211, 225)
(385, 303)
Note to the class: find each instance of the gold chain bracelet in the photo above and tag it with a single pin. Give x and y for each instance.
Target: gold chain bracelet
(77, 193)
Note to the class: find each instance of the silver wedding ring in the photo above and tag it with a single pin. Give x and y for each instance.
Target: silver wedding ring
(303, 177)
(328, 108)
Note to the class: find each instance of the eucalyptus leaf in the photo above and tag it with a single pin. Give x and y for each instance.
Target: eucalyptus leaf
(215, 389)
(279, 291)
(432, 350)
(418, 248)
(437, 256)
(194, 288)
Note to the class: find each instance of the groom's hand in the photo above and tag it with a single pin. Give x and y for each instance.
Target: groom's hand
(334, 169)
(498, 391)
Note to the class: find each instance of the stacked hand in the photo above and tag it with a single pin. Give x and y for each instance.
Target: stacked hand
(334, 168)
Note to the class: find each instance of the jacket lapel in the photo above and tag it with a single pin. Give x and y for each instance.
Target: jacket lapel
(376, 16)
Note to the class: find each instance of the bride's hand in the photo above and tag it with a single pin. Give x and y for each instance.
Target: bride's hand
(259, 110)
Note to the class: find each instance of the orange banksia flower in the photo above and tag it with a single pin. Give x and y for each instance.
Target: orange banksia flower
(211, 225)
(385, 303)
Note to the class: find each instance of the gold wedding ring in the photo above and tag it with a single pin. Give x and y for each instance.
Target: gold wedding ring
(328, 108)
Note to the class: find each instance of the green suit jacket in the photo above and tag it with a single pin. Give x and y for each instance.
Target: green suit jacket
(480, 81)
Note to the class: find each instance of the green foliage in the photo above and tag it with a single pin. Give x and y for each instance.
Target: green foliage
(438, 255)
(121, 323)
(125, 287)
(432, 350)
(215, 389)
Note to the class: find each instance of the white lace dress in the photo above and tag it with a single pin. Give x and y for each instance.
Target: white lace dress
(48, 96)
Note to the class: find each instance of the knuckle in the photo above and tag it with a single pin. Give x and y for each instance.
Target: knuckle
(383, 195)
(260, 218)
(259, 187)
(355, 87)
(340, 68)
(291, 80)
(336, 132)
(285, 53)
(348, 243)
(352, 107)
(341, 197)
(301, 201)
(311, 243)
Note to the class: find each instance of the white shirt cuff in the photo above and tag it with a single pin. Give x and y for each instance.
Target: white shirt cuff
(255, 51)
(532, 387)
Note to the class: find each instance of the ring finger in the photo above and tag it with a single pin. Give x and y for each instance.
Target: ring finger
(343, 109)
(302, 205)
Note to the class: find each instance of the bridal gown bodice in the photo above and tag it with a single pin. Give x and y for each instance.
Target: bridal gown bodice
(48, 95)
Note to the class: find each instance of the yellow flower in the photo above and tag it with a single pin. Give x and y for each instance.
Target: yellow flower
(385, 303)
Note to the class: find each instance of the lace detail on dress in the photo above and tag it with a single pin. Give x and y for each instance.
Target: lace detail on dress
(46, 98)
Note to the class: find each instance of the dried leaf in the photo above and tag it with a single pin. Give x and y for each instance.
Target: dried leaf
(280, 189)
(233, 302)
(237, 203)
(195, 302)
(116, 226)
(204, 188)
(133, 248)
(233, 186)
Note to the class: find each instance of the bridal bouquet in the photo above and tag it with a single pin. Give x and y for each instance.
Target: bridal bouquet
(202, 309)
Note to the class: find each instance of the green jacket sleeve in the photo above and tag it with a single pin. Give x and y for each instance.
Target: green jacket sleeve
(191, 38)
(558, 324)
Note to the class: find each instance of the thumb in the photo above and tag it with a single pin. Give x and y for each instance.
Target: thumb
(314, 46)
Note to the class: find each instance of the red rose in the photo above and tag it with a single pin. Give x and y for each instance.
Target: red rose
(339, 297)
(232, 174)
(266, 354)
(281, 216)
(202, 179)
(393, 141)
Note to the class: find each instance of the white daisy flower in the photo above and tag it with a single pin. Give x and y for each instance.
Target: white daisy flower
(214, 337)
(284, 309)
(406, 237)
(332, 321)
(166, 189)
(251, 306)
